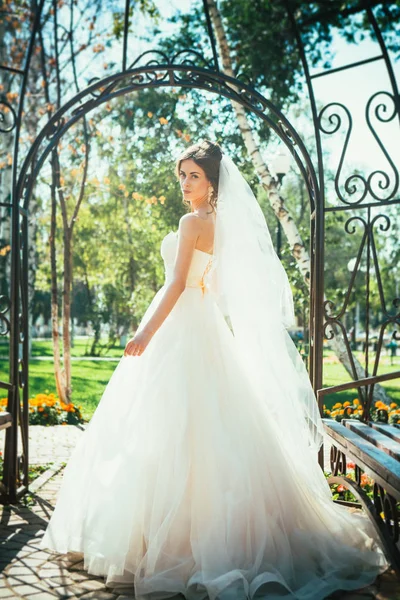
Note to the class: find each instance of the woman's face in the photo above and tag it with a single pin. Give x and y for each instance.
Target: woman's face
(193, 181)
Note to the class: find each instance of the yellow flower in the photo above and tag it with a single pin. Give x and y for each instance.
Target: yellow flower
(356, 401)
(163, 121)
(347, 403)
(149, 114)
(393, 405)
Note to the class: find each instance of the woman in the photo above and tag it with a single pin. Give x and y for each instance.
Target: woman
(198, 471)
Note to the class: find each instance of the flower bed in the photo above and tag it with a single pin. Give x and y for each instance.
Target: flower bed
(388, 413)
(48, 409)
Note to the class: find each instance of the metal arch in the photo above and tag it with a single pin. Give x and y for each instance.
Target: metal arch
(12, 485)
(152, 74)
(164, 75)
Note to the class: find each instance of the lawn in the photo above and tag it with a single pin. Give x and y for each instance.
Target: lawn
(335, 373)
(90, 377)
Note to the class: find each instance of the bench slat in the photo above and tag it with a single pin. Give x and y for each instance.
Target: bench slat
(389, 430)
(384, 469)
(380, 440)
(5, 420)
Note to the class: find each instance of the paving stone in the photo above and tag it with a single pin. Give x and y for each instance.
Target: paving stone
(27, 578)
(11, 545)
(41, 596)
(26, 589)
(24, 553)
(68, 591)
(78, 576)
(62, 562)
(92, 584)
(41, 555)
(30, 561)
(100, 596)
(50, 570)
(7, 593)
(34, 545)
(65, 580)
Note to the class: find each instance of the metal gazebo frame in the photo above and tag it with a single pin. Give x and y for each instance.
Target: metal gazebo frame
(190, 69)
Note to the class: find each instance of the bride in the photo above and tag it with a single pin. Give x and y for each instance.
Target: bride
(198, 471)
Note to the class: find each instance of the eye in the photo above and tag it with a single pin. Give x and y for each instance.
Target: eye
(195, 176)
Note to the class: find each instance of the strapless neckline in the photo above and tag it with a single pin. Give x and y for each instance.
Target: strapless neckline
(198, 250)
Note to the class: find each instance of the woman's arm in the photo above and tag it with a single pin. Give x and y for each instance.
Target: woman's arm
(188, 233)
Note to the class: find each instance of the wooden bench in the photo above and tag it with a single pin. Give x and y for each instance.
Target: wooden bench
(374, 448)
(5, 420)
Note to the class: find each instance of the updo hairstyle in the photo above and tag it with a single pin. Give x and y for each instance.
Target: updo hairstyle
(208, 156)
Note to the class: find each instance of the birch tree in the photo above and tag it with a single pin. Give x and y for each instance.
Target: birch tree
(276, 201)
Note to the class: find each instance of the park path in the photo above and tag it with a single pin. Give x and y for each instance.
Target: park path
(33, 574)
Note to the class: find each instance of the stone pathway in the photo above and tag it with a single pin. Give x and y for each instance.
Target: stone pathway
(33, 574)
(49, 443)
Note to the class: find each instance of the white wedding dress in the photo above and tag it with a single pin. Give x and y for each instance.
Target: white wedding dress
(181, 482)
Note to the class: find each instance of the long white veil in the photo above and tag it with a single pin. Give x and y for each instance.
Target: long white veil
(254, 294)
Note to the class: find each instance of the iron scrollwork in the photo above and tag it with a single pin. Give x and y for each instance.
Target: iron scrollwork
(356, 186)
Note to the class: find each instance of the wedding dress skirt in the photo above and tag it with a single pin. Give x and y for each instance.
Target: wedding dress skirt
(182, 482)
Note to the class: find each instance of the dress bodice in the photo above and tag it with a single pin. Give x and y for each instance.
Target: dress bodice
(200, 265)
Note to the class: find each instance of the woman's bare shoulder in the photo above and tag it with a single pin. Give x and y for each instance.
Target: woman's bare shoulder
(189, 224)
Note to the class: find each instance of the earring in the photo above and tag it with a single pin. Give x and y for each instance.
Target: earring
(210, 192)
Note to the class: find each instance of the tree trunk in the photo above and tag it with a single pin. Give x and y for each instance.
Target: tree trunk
(59, 374)
(275, 199)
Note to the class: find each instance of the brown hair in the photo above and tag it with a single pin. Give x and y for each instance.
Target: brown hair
(208, 156)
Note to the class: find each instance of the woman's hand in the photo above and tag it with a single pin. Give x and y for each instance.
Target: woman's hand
(137, 345)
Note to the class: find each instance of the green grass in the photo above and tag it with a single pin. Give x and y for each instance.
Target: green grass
(335, 373)
(81, 348)
(90, 377)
